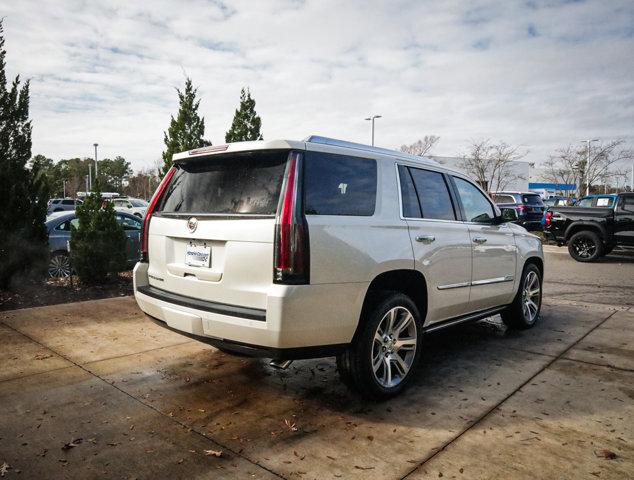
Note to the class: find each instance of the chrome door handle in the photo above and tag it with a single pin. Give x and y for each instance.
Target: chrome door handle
(479, 240)
(425, 238)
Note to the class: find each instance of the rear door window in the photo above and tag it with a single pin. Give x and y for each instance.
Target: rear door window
(339, 185)
(411, 206)
(245, 183)
(503, 199)
(433, 194)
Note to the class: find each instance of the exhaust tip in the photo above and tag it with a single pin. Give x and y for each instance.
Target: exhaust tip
(280, 364)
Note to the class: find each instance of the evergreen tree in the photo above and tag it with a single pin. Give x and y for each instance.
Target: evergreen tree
(97, 245)
(186, 131)
(23, 194)
(246, 122)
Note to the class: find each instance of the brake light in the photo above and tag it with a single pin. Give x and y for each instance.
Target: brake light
(521, 208)
(150, 209)
(548, 219)
(292, 255)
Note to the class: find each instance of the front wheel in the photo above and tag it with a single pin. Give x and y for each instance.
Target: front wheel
(524, 311)
(59, 265)
(382, 359)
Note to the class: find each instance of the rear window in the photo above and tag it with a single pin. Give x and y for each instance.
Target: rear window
(532, 199)
(244, 183)
(503, 198)
(339, 185)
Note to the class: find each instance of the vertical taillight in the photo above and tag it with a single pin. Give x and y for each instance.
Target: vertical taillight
(148, 213)
(548, 219)
(291, 257)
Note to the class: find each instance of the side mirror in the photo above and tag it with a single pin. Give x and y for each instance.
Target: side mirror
(508, 215)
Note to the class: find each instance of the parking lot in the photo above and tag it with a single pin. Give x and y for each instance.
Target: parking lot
(93, 389)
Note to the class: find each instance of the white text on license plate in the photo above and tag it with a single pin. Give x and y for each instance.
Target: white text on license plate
(198, 255)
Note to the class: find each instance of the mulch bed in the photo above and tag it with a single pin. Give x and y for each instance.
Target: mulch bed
(54, 291)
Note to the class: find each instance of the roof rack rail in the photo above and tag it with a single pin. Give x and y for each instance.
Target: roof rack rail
(368, 148)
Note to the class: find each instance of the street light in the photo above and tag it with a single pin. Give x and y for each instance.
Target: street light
(371, 119)
(588, 164)
(96, 165)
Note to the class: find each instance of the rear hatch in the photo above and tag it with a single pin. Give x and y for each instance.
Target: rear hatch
(211, 235)
(534, 206)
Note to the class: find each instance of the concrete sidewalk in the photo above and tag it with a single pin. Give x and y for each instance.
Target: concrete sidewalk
(93, 389)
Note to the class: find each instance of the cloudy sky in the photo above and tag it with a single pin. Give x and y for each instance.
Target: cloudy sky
(537, 73)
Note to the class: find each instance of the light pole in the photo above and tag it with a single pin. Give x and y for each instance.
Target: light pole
(588, 164)
(371, 119)
(89, 179)
(96, 164)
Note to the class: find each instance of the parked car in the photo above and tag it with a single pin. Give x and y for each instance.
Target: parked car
(288, 250)
(62, 204)
(596, 200)
(58, 227)
(591, 232)
(133, 206)
(529, 206)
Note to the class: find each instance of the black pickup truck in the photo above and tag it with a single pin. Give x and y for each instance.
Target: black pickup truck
(591, 232)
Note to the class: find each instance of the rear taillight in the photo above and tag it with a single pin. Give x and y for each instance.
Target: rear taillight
(291, 258)
(548, 219)
(148, 213)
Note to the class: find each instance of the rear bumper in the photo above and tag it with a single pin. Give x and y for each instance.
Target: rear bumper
(299, 321)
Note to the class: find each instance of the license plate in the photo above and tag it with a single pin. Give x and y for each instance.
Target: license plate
(198, 255)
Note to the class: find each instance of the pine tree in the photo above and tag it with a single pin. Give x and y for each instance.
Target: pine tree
(23, 194)
(246, 122)
(187, 130)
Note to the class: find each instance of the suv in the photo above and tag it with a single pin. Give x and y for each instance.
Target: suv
(133, 206)
(529, 206)
(301, 249)
(61, 205)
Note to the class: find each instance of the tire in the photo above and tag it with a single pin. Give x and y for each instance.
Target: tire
(520, 314)
(394, 320)
(59, 265)
(608, 249)
(585, 246)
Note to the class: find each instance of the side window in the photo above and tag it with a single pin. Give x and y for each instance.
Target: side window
(627, 204)
(476, 206)
(339, 185)
(65, 226)
(129, 223)
(68, 202)
(433, 194)
(411, 207)
(585, 202)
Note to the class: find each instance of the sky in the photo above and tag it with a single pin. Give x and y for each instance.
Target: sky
(538, 74)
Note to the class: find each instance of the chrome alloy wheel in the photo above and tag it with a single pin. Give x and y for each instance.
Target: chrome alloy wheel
(394, 347)
(584, 247)
(59, 266)
(531, 297)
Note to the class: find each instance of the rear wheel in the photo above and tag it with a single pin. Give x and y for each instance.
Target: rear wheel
(59, 265)
(382, 359)
(524, 311)
(585, 246)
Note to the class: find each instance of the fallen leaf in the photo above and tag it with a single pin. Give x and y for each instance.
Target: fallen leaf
(363, 468)
(73, 444)
(4, 468)
(605, 453)
(213, 453)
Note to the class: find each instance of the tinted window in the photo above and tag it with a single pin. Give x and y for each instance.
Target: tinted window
(65, 226)
(532, 199)
(245, 183)
(433, 193)
(129, 223)
(628, 203)
(68, 202)
(476, 206)
(503, 199)
(584, 202)
(411, 207)
(339, 185)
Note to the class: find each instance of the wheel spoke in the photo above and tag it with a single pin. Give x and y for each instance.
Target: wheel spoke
(400, 364)
(377, 362)
(388, 372)
(404, 323)
(408, 343)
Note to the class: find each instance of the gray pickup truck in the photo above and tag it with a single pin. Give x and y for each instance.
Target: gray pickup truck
(592, 232)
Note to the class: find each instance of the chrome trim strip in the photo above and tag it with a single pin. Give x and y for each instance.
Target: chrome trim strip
(488, 281)
(454, 285)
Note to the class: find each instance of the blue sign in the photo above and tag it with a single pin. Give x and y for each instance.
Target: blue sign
(553, 186)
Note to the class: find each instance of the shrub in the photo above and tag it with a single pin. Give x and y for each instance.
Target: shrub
(97, 244)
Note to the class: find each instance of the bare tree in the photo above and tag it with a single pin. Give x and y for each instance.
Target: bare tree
(421, 147)
(572, 162)
(491, 164)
